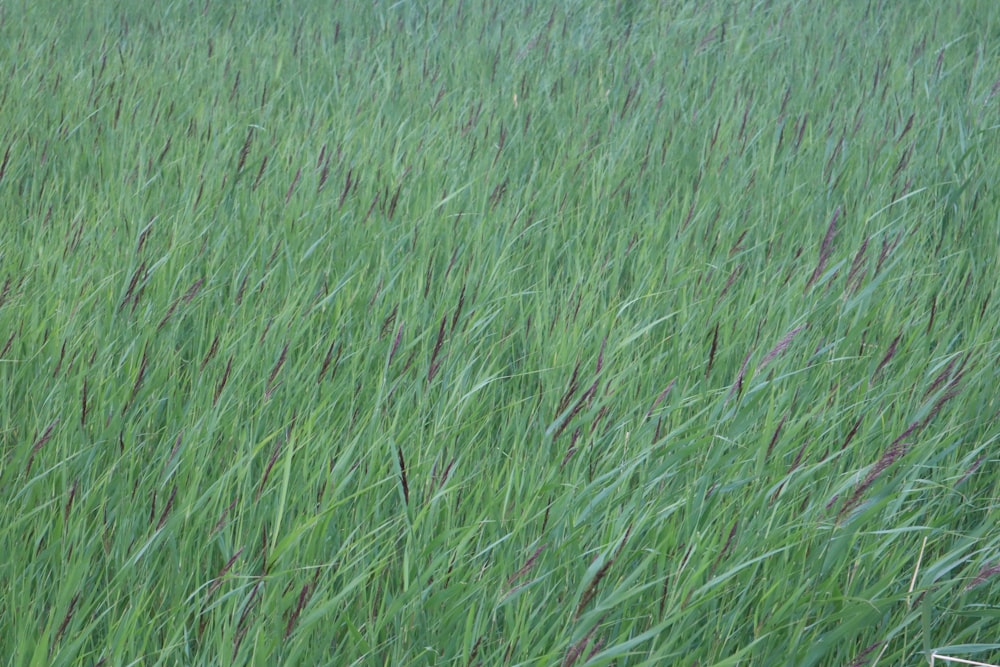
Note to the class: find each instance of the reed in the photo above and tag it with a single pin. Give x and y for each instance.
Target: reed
(498, 333)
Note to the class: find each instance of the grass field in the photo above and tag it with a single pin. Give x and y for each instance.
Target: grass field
(499, 332)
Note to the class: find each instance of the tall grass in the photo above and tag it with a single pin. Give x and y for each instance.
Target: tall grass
(427, 333)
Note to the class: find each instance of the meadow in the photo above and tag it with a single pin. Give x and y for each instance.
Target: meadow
(499, 332)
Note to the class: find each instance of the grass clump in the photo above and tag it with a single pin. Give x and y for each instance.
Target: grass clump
(499, 333)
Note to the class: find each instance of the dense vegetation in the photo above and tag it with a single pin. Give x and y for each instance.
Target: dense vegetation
(499, 332)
